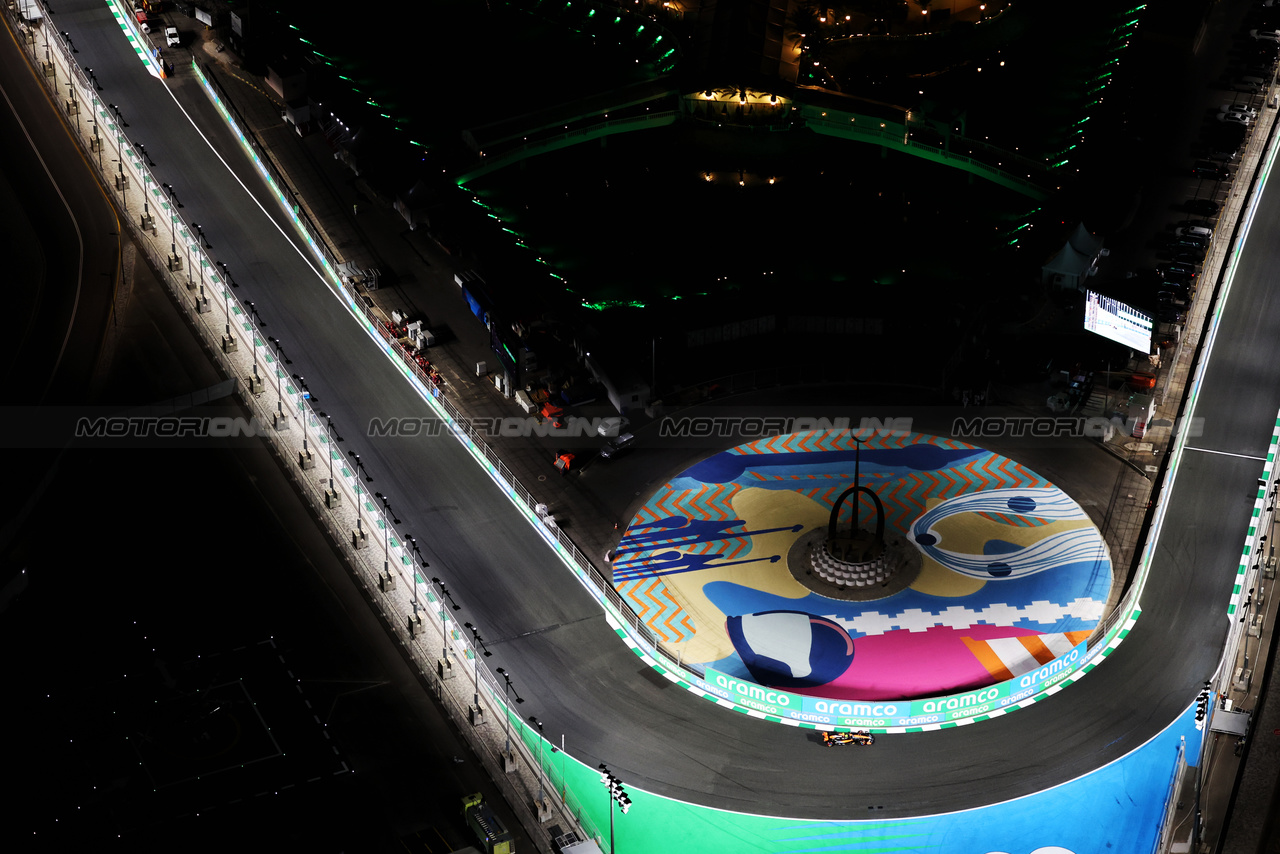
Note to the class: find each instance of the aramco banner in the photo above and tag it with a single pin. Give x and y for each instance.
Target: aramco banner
(893, 713)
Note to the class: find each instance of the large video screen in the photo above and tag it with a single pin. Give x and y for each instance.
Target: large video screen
(1113, 319)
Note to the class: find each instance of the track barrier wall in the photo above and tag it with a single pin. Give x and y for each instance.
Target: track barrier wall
(411, 603)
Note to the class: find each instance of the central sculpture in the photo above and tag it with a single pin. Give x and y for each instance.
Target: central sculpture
(858, 558)
(859, 547)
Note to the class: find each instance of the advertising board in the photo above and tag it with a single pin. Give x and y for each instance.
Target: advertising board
(1112, 319)
(866, 714)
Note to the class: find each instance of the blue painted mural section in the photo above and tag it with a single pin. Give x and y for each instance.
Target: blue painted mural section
(1114, 810)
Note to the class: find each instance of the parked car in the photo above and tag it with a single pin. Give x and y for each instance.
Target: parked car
(1269, 35)
(171, 37)
(617, 446)
(1209, 169)
(1176, 272)
(1194, 231)
(1243, 84)
(1189, 244)
(1175, 290)
(1179, 283)
(1186, 256)
(1235, 118)
(1226, 137)
(1206, 207)
(1224, 133)
(1238, 108)
(613, 425)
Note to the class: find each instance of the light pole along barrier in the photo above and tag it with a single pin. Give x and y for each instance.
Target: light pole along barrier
(635, 633)
(323, 496)
(229, 362)
(617, 795)
(582, 566)
(354, 488)
(615, 607)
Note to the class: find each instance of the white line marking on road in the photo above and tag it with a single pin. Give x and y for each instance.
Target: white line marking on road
(252, 197)
(1226, 454)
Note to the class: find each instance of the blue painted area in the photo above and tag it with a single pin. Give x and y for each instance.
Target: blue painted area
(818, 659)
(1025, 557)
(727, 467)
(1113, 810)
(992, 547)
(1117, 809)
(1022, 504)
(994, 604)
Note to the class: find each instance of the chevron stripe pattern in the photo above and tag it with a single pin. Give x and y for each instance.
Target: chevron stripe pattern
(904, 497)
(842, 440)
(654, 605)
(1005, 658)
(905, 493)
(709, 501)
(798, 443)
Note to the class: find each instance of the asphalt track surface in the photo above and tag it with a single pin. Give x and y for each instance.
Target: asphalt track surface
(67, 233)
(549, 633)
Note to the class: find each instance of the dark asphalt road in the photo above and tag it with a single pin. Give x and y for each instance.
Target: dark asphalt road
(162, 587)
(66, 246)
(576, 675)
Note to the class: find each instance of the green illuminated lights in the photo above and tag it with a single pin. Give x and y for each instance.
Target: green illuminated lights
(612, 303)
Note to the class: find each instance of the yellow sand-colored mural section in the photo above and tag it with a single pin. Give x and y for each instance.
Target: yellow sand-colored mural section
(766, 508)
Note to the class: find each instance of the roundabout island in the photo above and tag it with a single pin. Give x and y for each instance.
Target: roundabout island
(849, 578)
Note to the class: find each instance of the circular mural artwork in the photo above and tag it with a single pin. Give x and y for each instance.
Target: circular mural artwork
(1006, 571)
